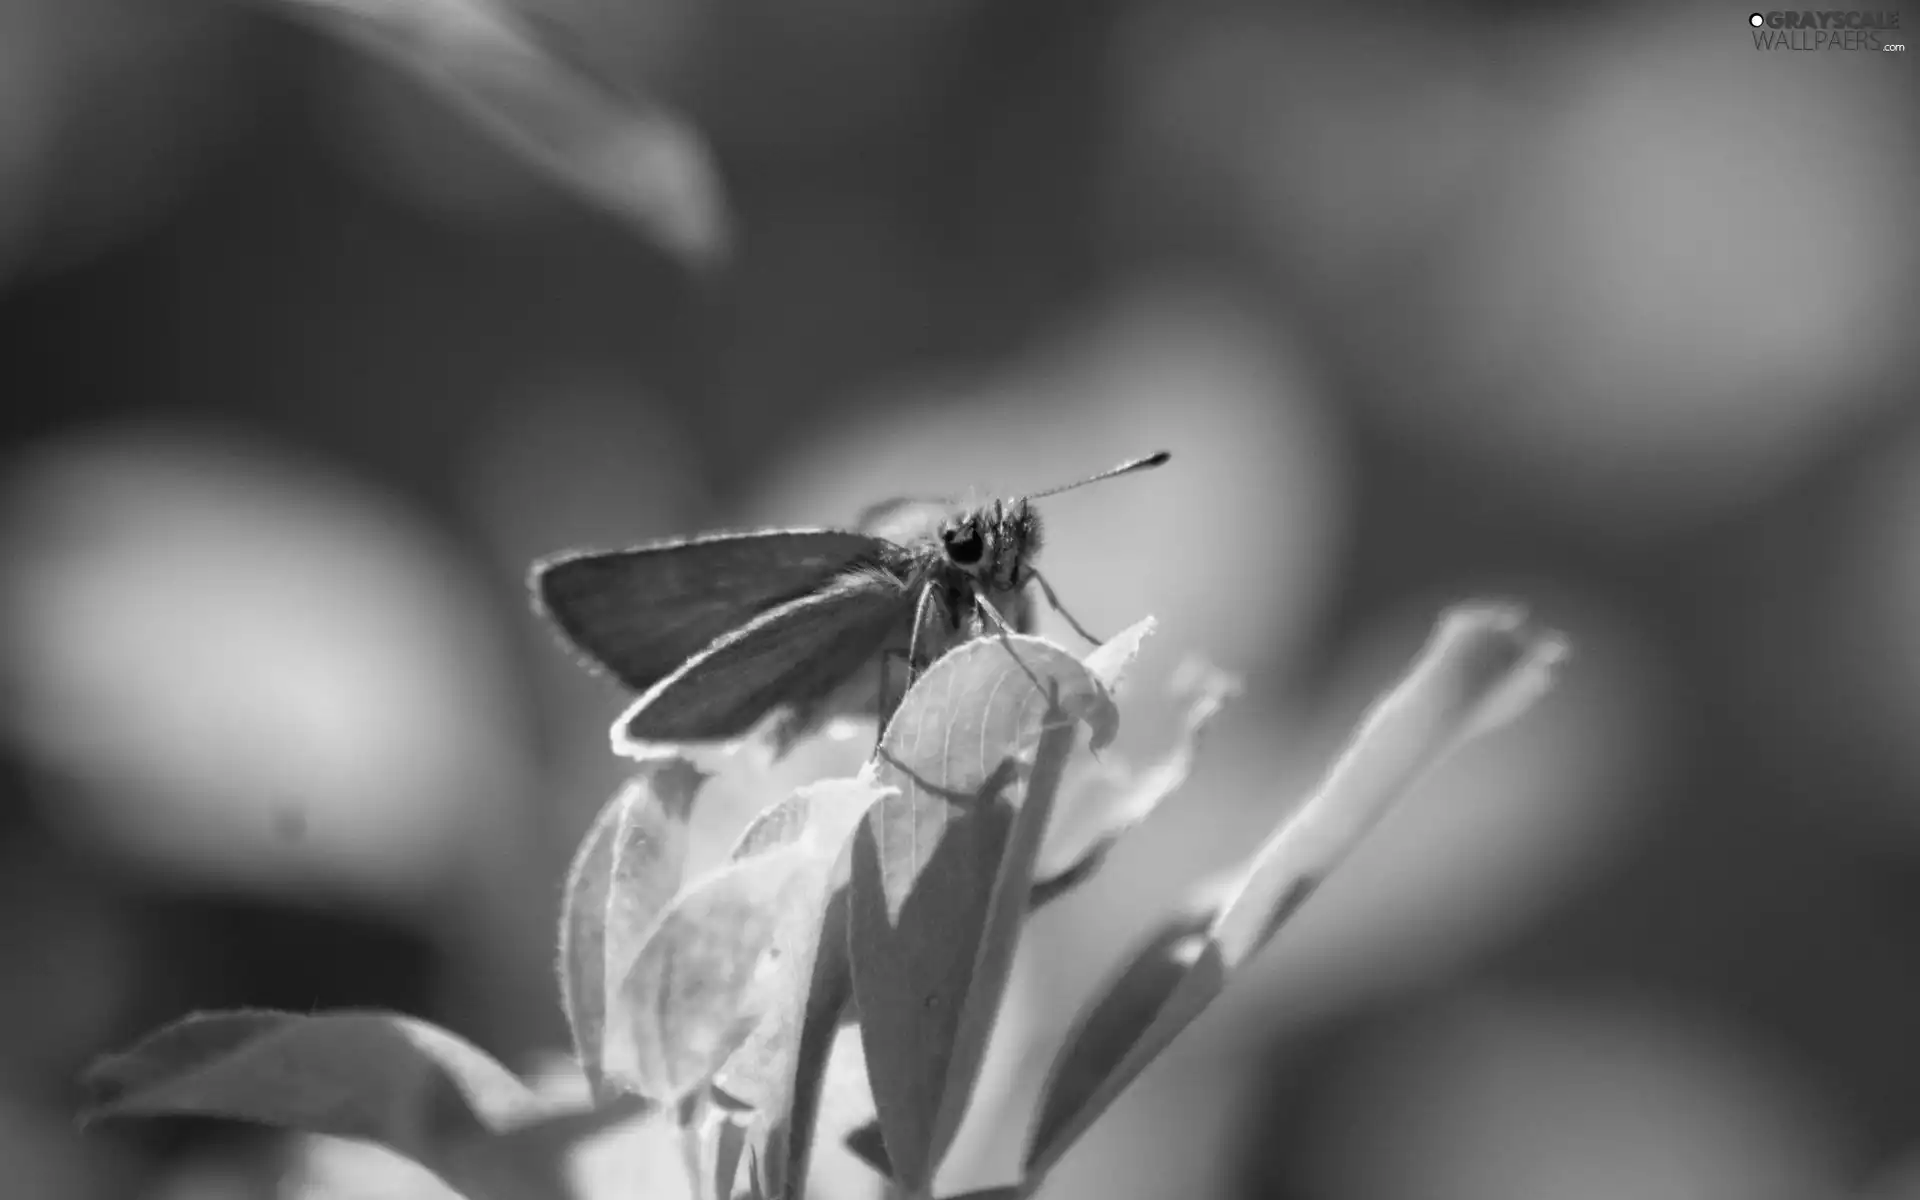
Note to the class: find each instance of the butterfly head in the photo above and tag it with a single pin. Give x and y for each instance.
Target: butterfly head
(993, 543)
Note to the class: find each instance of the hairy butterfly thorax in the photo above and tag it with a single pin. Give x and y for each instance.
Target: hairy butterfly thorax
(970, 569)
(994, 544)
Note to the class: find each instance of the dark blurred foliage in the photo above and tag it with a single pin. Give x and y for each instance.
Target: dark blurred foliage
(1599, 306)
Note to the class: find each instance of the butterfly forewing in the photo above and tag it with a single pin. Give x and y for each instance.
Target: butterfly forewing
(799, 653)
(641, 613)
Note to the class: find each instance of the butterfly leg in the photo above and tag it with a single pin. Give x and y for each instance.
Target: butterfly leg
(1046, 589)
(919, 619)
(992, 615)
(883, 709)
(1004, 632)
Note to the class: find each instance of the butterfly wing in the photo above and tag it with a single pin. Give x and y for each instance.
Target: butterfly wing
(642, 612)
(796, 654)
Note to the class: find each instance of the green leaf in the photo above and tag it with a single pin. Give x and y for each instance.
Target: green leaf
(1103, 800)
(777, 1069)
(694, 993)
(1482, 665)
(1134, 1018)
(378, 1076)
(630, 157)
(722, 976)
(760, 1073)
(1110, 661)
(623, 876)
(941, 872)
(826, 811)
(782, 1138)
(412, 1087)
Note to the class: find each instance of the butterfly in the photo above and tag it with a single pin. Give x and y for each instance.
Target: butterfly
(719, 631)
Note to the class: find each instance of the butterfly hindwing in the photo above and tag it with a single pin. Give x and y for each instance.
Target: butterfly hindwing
(795, 653)
(642, 612)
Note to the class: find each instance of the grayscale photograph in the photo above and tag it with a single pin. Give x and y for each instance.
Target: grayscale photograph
(958, 600)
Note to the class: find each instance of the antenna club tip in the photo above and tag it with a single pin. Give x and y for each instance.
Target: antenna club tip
(1125, 468)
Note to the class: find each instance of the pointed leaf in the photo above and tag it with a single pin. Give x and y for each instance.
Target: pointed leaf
(631, 158)
(1139, 1010)
(380, 1077)
(782, 1138)
(717, 991)
(1110, 661)
(695, 992)
(1101, 801)
(1481, 664)
(828, 811)
(779, 1069)
(760, 1073)
(624, 874)
(941, 872)
(354, 1074)
(581, 961)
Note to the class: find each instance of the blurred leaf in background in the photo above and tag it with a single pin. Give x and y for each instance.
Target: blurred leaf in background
(520, 74)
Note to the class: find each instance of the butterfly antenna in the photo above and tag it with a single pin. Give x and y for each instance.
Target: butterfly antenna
(1126, 468)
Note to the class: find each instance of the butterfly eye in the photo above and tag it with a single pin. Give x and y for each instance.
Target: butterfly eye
(964, 545)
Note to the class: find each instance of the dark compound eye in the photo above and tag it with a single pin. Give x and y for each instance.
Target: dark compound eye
(964, 545)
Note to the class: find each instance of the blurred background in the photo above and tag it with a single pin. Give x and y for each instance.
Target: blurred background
(1596, 305)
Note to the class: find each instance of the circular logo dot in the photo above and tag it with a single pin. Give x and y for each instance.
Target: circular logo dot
(1757, 20)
